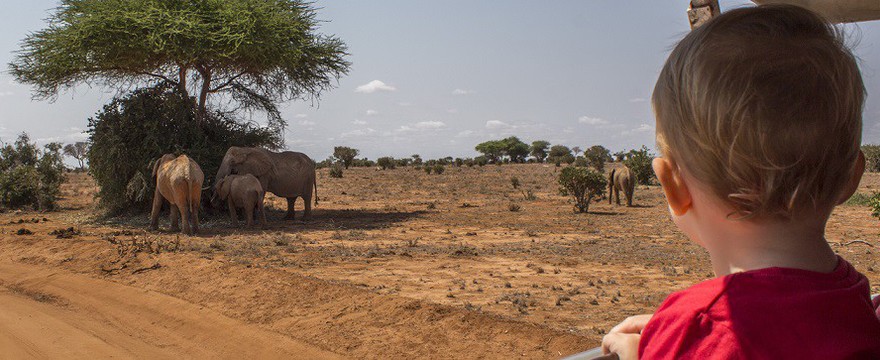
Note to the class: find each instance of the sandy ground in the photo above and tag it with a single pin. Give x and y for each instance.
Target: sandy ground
(394, 264)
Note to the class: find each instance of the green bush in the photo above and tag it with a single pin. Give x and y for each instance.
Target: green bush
(135, 129)
(583, 184)
(874, 203)
(581, 161)
(872, 157)
(30, 177)
(514, 181)
(859, 199)
(439, 169)
(639, 161)
(428, 169)
(336, 171)
(386, 162)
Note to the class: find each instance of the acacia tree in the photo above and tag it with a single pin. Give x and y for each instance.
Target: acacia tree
(538, 150)
(345, 154)
(493, 150)
(79, 151)
(597, 155)
(560, 154)
(515, 149)
(256, 53)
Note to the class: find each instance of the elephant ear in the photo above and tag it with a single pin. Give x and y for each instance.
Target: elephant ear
(223, 188)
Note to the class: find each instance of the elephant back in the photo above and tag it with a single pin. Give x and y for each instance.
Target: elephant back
(294, 174)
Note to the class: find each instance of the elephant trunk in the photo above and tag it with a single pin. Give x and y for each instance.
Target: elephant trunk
(223, 171)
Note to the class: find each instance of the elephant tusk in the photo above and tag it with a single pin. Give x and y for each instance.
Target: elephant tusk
(206, 188)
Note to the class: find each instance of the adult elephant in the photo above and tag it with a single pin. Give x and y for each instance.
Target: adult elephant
(621, 180)
(286, 174)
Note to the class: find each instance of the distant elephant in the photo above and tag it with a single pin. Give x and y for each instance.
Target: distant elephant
(621, 179)
(286, 174)
(241, 191)
(178, 180)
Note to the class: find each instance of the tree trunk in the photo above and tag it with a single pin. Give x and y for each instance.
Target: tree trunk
(181, 81)
(205, 72)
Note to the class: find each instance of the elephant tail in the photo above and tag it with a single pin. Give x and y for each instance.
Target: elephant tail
(611, 185)
(315, 183)
(190, 201)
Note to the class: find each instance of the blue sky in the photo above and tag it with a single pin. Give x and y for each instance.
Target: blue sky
(436, 78)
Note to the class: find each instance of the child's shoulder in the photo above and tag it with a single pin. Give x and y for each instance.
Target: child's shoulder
(768, 310)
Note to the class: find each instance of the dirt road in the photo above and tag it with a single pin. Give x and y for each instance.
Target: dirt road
(54, 314)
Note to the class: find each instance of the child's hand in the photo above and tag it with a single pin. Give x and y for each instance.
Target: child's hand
(623, 339)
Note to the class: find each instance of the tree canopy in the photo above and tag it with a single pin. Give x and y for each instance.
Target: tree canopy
(345, 154)
(79, 151)
(539, 150)
(512, 147)
(597, 155)
(256, 53)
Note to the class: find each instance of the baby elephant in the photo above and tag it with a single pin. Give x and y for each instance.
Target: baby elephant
(621, 180)
(242, 191)
(179, 181)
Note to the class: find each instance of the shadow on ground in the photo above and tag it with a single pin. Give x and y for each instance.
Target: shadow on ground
(217, 223)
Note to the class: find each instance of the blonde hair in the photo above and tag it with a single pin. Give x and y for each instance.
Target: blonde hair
(764, 106)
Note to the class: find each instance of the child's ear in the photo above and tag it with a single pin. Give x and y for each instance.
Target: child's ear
(855, 178)
(677, 193)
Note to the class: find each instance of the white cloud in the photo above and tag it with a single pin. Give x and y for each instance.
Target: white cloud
(358, 132)
(305, 123)
(592, 121)
(462, 92)
(421, 126)
(637, 100)
(301, 116)
(643, 128)
(374, 86)
(639, 129)
(359, 122)
(497, 124)
(404, 104)
(372, 112)
(430, 125)
(452, 111)
(6, 93)
(465, 133)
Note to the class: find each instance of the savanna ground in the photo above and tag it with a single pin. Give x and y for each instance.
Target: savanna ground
(393, 264)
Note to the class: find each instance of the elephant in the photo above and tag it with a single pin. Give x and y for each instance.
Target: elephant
(179, 181)
(286, 174)
(621, 179)
(241, 191)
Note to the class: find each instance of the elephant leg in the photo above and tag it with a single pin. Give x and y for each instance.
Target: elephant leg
(196, 203)
(232, 214)
(175, 218)
(291, 212)
(184, 214)
(629, 198)
(617, 195)
(249, 214)
(262, 210)
(157, 207)
(307, 213)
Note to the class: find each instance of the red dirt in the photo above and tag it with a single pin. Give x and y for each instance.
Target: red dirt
(394, 264)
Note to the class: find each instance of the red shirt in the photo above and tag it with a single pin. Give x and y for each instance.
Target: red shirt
(773, 313)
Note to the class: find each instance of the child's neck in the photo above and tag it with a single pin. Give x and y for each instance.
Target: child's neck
(748, 246)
